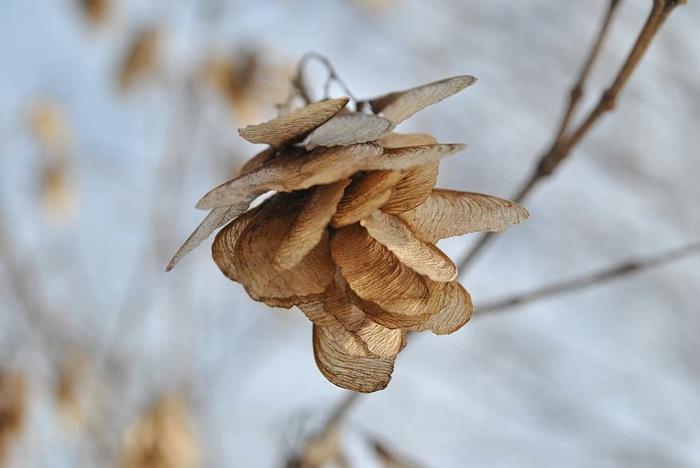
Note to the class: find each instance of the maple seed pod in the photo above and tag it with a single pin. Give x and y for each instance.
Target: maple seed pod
(349, 236)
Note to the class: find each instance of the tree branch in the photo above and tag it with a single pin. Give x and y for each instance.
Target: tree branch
(564, 142)
(622, 269)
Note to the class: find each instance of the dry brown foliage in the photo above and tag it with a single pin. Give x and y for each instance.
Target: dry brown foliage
(161, 437)
(350, 235)
(141, 58)
(13, 397)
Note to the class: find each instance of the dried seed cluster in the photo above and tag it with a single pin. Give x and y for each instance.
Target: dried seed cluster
(349, 237)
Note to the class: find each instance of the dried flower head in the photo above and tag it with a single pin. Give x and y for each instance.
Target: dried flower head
(350, 235)
(162, 437)
(142, 57)
(53, 133)
(13, 397)
(245, 81)
(96, 11)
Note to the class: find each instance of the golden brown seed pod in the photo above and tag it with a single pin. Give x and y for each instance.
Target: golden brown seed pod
(350, 235)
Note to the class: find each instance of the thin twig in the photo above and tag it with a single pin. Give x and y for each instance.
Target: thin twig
(299, 83)
(625, 268)
(565, 142)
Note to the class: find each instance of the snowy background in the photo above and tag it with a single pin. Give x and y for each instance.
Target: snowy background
(606, 377)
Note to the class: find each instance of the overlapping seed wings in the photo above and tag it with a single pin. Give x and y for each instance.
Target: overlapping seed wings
(422, 257)
(349, 128)
(447, 213)
(350, 350)
(247, 255)
(366, 193)
(294, 126)
(379, 279)
(310, 224)
(289, 172)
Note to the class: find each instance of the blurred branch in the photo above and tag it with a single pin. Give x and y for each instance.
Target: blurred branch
(565, 141)
(25, 286)
(620, 270)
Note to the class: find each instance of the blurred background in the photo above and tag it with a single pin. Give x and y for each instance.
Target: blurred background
(116, 116)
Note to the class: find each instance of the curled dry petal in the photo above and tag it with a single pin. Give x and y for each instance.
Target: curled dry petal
(249, 258)
(293, 126)
(447, 213)
(349, 128)
(310, 223)
(366, 193)
(358, 373)
(413, 188)
(421, 257)
(401, 105)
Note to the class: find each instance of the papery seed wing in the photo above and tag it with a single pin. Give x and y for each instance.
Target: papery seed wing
(412, 156)
(295, 125)
(447, 213)
(401, 105)
(376, 275)
(400, 140)
(310, 223)
(357, 373)
(413, 188)
(214, 220)
(421, 257)
(289, 172)
(366, 193)
(456, 310)
(255, 249)
(347, 129)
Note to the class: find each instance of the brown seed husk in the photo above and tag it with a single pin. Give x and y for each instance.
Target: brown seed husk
(420, 256)
(294, 126)
(349, 128)
(310, 223)
(447, 213)
(366, 193)
(357, 373)
(401, 105)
